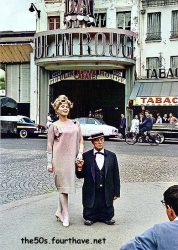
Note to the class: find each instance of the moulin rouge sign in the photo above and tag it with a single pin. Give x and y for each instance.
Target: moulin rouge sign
(86, 42)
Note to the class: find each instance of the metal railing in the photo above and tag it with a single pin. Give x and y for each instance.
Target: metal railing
(174, 34)
(154, 3)
(153, 36)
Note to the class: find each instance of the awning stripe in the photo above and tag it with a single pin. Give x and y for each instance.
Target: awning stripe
(15, 53)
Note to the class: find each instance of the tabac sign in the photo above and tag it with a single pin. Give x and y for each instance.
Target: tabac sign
(158, 101)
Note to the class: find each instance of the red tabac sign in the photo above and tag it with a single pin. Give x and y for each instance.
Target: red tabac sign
(150, 101)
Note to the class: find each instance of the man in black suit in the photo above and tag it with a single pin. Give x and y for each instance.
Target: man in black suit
(101, 182)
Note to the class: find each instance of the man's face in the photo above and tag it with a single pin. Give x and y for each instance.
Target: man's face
(98, 143)
(146, 114)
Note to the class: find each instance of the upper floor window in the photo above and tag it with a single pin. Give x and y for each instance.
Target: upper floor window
(174, 24)
(152, 62)
(123, 20)
(100, 19)
(54, 22)
(174, 62)
(154, 26)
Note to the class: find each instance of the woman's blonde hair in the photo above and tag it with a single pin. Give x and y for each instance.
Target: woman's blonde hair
(61, 99)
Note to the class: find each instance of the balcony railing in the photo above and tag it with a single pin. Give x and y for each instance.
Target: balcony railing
(153, 36)
(154, 3)
(174, 34)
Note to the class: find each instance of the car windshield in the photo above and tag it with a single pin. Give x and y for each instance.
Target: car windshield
(26, 120)
(100, 121)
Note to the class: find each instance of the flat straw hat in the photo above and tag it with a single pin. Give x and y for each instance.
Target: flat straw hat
(96, 135)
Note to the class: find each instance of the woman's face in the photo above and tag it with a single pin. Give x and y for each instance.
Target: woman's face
(63, 109)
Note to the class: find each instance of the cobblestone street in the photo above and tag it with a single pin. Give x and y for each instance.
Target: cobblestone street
(23, 166)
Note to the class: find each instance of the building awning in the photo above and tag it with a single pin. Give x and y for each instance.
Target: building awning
(12, 53)
(8, 102)
(155, 93)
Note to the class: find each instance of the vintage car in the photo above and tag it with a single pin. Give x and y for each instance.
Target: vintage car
(166, 130)
(21, 126)
(93, 125)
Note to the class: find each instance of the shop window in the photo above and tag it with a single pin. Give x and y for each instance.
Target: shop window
(174, 24)
(2, 80)
(123, 20)
(174, 62)
(54, 22)
(100, 19)
(154, 26)
(152, 62)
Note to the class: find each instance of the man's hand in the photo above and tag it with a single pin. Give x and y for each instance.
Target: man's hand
(79, 164)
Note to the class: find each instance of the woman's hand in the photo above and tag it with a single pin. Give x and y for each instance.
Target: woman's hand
(80, 157)
(50, 168)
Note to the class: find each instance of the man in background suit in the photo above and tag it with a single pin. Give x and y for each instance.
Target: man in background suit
(101, 182)
(163, 236)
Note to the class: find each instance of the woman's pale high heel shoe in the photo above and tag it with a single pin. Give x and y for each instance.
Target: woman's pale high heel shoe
(59, 216)
(65, 222)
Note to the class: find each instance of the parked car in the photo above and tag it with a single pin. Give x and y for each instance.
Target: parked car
(20, 125)
(166, 130)
(92, 125)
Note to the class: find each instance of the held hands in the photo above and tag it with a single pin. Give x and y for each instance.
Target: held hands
(50, 168)
(79, 162)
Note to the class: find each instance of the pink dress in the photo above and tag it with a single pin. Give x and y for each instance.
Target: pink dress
(64, 139)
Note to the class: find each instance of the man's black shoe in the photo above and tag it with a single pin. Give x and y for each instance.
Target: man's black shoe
(88, 222)
(109, 222)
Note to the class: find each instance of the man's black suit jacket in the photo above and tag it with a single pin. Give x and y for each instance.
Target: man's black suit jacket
(112, 179)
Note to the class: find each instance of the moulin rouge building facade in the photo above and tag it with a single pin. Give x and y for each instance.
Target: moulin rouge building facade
(81, 52)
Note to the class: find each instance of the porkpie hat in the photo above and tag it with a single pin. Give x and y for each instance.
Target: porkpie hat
(96, 135)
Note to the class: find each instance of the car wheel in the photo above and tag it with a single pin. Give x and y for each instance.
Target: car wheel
(161, 138)
(23, 133)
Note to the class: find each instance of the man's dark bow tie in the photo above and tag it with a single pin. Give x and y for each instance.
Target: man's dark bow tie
(99, 153)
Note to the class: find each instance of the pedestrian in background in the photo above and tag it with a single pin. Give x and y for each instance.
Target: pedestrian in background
(49, 121)
(165, 119)
(163, 236)
(135, 125)
(101, 182)
(172, 119)
(65, 143)
(159, 120)
(141, 118)
(123, 125)
(153, 118)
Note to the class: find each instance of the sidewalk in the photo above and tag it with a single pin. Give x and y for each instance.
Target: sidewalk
(137, 209)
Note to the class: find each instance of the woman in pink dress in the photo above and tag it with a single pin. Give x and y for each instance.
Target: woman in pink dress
(65, 145)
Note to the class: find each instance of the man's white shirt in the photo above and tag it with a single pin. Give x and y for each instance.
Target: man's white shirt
(99, 158)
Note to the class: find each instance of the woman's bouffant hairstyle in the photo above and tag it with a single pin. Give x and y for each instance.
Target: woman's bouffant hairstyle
(60, 100)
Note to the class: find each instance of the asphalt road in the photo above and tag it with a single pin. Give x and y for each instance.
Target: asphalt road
(23, 166)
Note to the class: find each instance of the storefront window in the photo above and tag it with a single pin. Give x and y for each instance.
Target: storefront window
(152, 62)
(100, 19)
(2, 80)
(154, 26)
(174, 62)
(174, 24)
(123, 20)
(54, 22)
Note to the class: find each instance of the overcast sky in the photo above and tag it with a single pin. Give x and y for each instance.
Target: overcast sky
(15, 15)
